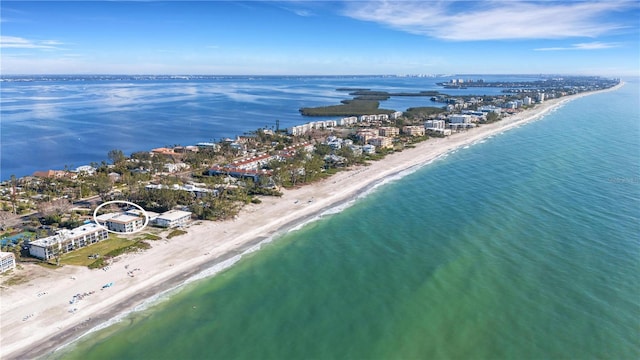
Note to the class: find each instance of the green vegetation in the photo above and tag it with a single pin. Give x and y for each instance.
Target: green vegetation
(423, 112)
(492, 117)
(353, 107)
(364, 102)
(81, 256)
(10, 279)
(159, 200)
(106, 249)
(370, 95)
(175, 232)
(386, 95)
(148, 237)
(135, 246)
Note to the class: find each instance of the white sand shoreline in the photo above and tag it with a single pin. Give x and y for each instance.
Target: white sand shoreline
(169, 263)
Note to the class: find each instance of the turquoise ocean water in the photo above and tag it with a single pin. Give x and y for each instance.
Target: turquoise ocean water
(523, 246)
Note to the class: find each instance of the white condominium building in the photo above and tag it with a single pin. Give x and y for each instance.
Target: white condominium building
(7, 261)
(173, 218)
(434, 124)
(121, 222)
(67, 240)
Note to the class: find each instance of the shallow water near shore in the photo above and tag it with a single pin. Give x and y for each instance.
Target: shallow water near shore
(522, 246)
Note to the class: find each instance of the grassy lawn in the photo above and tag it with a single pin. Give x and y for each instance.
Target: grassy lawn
(81, 256)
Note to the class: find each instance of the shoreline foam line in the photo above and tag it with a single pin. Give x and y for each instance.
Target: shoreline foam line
(169, 264)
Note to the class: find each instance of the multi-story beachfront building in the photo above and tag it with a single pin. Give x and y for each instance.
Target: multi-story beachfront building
(437, 126)
(121, 222)
(381, 142)
(374, 117)
(490, 108)
(304, 128)
(389, 131)
(396, 115)
(434, 125)
(173, 218)
(67, 240)
(124, 223)
(413, 130)
(365, 134)
(7, 261)
(346, 121)
(460, 119)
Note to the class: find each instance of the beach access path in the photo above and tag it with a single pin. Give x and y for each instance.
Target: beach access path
(41, 315)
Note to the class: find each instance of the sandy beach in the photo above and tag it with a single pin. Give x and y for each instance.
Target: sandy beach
(37, 317)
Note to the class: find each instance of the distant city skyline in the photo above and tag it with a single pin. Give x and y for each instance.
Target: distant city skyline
(320, 37)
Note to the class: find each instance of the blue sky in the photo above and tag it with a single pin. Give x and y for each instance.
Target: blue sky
(320, 37)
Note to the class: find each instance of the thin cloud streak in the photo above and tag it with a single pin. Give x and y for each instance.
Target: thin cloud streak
(491, 20)
(14, 42)
(582, 46)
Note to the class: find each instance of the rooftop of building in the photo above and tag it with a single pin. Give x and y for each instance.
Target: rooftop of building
(174, 215)
(64, 234)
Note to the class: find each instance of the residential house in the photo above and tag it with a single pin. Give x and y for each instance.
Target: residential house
(114, 177)
(50, 174)
(369, 149)
(198, 191)
(175, 167)
(208, 145)
(163, 151)
(356, 149)
(85, 169)
(335, 142)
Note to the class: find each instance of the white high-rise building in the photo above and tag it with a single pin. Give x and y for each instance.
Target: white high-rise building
(434, 124)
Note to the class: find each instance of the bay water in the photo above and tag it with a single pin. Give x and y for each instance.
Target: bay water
(59, 122)
(525, 245)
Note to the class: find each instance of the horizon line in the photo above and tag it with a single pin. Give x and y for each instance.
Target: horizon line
(306, 75)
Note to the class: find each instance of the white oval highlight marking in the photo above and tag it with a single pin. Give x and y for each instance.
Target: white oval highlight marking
(144, 212)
